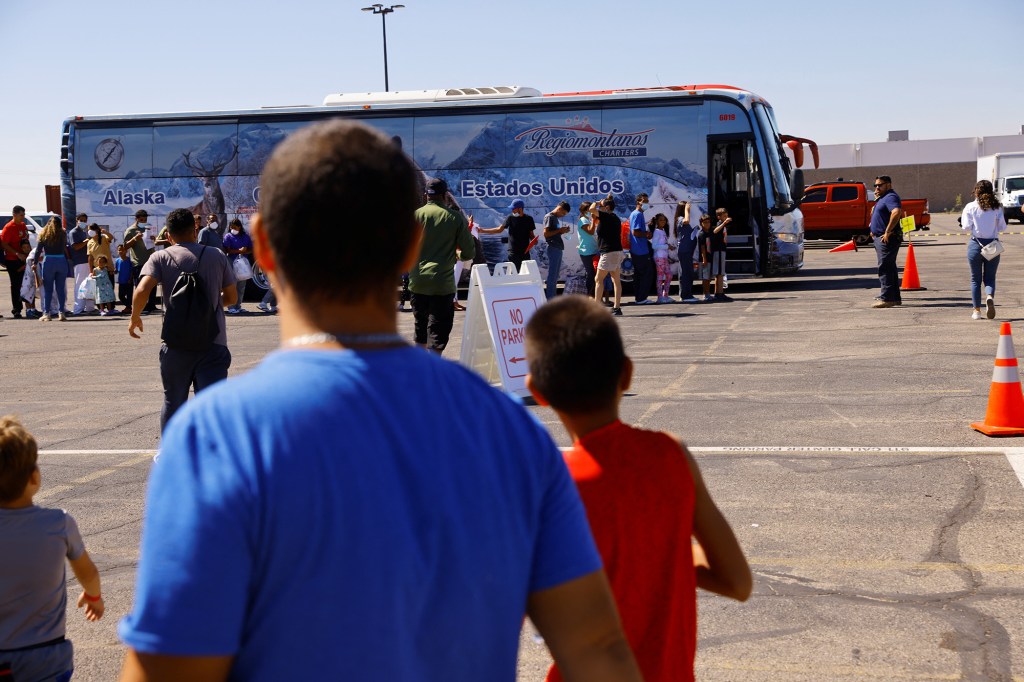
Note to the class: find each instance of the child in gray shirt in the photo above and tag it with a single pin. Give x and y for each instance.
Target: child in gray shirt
(33, 593)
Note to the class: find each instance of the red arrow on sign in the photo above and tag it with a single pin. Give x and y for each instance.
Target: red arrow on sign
(517, 359)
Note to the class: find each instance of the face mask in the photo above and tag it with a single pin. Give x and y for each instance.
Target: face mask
(81, 226)
(213, 225)
(645, 206)
(144, 226)
(92, 233)
(234, 232)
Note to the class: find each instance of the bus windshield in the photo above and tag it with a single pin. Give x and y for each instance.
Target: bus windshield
(773, 150)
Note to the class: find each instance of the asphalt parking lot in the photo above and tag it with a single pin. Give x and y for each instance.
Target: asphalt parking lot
(884, 534)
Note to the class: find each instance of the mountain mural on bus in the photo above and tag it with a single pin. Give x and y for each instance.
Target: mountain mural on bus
(488, 160)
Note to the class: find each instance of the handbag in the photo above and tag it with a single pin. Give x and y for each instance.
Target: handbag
(242, 268)
(87, 289)
(992, 249)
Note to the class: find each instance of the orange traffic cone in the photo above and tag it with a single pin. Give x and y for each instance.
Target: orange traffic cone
(911, 282)
(1005, 414)
(848, 246)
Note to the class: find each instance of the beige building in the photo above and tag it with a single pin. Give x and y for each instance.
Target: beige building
(937, 170)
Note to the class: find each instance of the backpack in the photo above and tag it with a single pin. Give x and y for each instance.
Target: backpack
(190, 321)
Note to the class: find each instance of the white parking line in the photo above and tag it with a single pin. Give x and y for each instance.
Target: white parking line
(140, 457)
(150, 451)
(1015, 456)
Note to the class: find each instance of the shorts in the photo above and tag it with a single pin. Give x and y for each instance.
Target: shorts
(611, 261)
(704, 271)
(717, 262)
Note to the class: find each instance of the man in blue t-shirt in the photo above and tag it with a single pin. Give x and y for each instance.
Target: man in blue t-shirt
(640, 251)
(888, 235)
(320, 518)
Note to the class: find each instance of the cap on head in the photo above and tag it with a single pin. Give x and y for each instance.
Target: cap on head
(517, 204)
(437, 186)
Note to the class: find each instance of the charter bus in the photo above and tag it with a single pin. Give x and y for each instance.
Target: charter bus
(711, 145)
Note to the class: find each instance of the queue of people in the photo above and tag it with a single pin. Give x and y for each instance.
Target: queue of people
(323, 427)
(86, 253)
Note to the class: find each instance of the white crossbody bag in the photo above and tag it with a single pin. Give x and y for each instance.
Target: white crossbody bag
(992, 249)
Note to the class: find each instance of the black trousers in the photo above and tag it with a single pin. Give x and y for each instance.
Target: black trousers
(181, 370)
(434, 317)
(16, 277)
(124, 294)
(588, 267)
(136, 276)
(643, 275)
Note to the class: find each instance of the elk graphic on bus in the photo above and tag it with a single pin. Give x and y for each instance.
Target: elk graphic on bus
(213, 197)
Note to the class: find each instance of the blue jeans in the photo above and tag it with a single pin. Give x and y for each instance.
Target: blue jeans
(982, 271)
(269, 299)
(55, 281)
(554, 265)
(181, 370)
(240, 288)
(888, 274)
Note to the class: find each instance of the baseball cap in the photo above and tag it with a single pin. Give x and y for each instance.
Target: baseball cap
(518, 203)
(437, 186)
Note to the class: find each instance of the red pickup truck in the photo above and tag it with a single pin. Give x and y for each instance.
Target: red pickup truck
(842, 210)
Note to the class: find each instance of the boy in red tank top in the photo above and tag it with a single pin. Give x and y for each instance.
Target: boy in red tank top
(643, 491)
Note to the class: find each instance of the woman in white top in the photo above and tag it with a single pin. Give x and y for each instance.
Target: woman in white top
(983, 217)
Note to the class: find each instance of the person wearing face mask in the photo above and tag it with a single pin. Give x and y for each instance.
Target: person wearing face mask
(237, 244)
(209, 236)
(521, 229)
(99, 245)
(640, 250)
(78, 239)
(139, 251)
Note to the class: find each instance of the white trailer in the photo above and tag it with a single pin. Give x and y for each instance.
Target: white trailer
(1006, 171)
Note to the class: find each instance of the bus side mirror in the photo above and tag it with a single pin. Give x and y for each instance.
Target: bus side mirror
(796, 187)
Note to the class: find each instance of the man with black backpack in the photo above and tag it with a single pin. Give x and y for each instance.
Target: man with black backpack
(197, 283)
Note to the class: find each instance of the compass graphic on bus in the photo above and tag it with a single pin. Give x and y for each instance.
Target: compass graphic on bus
(109, 154)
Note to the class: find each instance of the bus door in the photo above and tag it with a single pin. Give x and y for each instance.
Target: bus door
(734, 184)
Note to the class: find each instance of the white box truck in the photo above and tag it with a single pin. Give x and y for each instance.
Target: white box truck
(1006, 171)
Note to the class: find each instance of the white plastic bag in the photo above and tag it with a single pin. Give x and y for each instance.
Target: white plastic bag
(242, 268)
(87, 289)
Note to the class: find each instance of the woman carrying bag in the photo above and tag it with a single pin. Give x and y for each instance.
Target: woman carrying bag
(983, 217)
(238, 246)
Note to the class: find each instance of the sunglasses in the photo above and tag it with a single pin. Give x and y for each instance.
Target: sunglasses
(881, 184)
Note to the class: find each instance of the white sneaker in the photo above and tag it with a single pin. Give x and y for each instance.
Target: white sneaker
(62, 317)
(976, 315)
(45, 318)
(990, 308)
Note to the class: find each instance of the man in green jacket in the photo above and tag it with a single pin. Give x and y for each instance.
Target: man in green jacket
(432, 279)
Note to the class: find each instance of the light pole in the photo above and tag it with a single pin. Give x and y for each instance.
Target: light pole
(384, 12)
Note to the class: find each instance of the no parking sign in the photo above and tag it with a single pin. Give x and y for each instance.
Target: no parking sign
(500, 305)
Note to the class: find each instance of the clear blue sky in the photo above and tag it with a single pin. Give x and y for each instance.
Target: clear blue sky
(835, 72)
